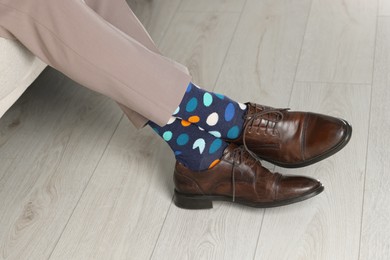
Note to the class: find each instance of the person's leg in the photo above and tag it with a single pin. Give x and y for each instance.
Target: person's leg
(119, 14)
(220, 116)
(51, 42)
(56, 45)
(71, 37)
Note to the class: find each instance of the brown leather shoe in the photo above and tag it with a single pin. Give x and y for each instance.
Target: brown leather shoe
(240, 178)
(292, 139)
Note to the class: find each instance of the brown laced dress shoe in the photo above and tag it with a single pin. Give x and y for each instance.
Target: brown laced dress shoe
(292, 139)
(240, 178)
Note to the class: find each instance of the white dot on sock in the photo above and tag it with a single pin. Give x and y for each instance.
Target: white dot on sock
(242, 106)
(176, 111)
(212, 119)
(171, 120)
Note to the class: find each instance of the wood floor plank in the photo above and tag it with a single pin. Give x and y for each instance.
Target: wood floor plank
(339, 42)
(212, 6)
(375, 241)
(62, 133)
(4, 165)
(263, 57)
(123, 209)
(9, 126)
(225, 232)
(200, 42)
(155, 15)
(326, 226)
(384, 7)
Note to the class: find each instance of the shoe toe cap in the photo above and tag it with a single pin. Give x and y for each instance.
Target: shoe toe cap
(325, 135)
(291, 187)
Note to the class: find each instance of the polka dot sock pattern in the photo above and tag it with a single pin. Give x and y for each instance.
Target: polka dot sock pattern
(216, 113)
(192, 145)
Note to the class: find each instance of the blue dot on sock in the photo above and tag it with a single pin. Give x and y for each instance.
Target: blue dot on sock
(207, 99)
(233, 132)
(167, 136)
(229, 112)
(182, 139)
(220, 96)
(191, 105)
(215, 145)
(178, 153)
(189, 87)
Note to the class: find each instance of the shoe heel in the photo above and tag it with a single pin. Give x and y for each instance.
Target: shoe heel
(191, 202)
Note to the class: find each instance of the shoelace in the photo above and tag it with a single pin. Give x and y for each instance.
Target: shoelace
(239, 152)
(260, 115)
(240, 155)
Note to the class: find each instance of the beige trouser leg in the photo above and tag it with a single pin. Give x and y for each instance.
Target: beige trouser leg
(101, 45)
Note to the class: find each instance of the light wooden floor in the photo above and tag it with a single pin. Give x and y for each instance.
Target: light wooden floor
(77, 181)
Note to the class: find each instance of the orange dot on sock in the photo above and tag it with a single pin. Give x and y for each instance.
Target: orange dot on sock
(214, 163)
(194, 119)
(185, 123)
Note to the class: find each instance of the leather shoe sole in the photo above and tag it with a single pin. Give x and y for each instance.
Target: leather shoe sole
(189, 201)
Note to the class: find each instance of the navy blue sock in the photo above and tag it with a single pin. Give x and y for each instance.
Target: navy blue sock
(216, 113)
(192, 146)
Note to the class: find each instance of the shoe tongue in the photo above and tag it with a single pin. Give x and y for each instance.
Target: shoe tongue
(228, 155)
(255, 108)
(231, 152)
